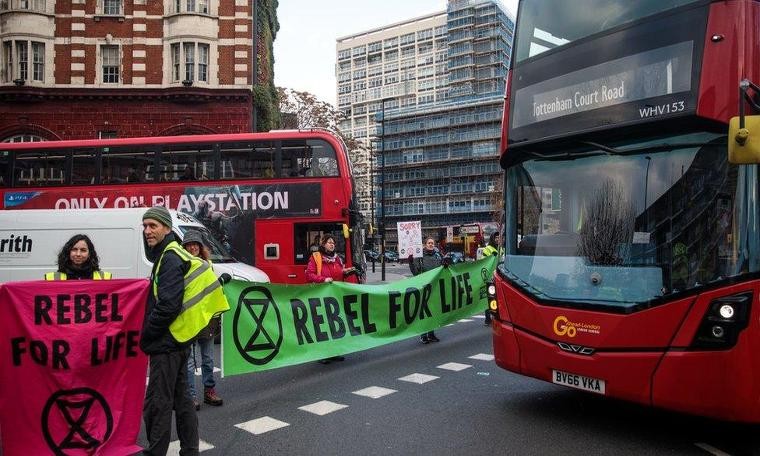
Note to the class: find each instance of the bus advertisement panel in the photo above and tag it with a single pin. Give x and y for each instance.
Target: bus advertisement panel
(631, 256)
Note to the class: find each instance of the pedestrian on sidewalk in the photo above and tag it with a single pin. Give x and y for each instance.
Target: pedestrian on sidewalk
(431, 258)
(193, 243)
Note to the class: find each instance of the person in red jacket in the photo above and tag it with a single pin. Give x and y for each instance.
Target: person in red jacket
(325, 266)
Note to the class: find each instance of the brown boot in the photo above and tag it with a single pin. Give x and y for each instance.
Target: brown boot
(211, 398)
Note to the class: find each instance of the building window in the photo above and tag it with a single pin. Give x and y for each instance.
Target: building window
(8, 60)
(22, 53)
(185, 56)
(38, 61)
(32, 5)
(112, 7)
(176, 62)
(203, 62)
(189, 61)
(16, 61)
(192, 6)
(110, 58)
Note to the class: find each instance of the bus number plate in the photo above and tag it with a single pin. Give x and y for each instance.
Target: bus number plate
(580, 382)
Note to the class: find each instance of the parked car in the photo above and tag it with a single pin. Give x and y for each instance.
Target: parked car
(454, 257)
(371, 255)
(391, 255)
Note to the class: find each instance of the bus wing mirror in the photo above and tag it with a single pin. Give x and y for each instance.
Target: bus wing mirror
(345, 231)
(744, 142)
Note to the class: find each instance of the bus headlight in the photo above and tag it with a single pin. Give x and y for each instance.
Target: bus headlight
(725, 319)
(491, 290)
(726, 311)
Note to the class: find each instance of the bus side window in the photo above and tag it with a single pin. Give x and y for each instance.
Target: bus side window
(84, 166)
(186, 162)
(4, 168)
(43, 168)
(127, 165)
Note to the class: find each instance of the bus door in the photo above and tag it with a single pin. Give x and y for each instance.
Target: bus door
(283, 248)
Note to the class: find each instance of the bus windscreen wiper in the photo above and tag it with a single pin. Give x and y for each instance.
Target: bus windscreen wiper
(663, 147)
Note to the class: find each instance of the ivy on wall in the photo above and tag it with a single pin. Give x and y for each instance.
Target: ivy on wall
(265, 100)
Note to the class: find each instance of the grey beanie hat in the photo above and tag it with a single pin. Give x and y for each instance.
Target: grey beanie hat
(193, 236)
(159, 214)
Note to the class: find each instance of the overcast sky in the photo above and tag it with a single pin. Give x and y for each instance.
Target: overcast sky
(304, 49)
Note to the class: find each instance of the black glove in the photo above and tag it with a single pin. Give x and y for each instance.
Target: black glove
(446, 262)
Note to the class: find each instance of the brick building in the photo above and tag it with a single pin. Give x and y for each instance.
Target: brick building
(78, 69)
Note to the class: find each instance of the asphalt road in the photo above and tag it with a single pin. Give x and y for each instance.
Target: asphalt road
(446, 398)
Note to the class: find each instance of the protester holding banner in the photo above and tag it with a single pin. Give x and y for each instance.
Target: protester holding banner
(491, 249)
(167, 383)
(325, 266)
(78, 260)
(429, 260)
(193, 243)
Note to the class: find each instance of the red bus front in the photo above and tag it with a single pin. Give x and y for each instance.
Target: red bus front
(632, 244)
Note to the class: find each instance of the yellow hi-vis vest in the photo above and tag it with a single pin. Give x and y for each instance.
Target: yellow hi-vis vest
(96, 275)
(202, 300)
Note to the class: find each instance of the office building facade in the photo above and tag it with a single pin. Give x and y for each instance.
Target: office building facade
(431, 112)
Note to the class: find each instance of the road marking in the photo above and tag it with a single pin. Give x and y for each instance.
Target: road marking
(418, 378)
(482, 357)
(480, 316)
(374, 392)
(711, 449)
(465, 320)
(174, 447)
(322, 408)
(456, 367)
(261, 425)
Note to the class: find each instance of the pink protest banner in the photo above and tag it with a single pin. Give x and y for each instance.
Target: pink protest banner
(71, 368)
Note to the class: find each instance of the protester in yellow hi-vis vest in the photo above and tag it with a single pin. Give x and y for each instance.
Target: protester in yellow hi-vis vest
(193, 243)
(78, 260)
(167, 382)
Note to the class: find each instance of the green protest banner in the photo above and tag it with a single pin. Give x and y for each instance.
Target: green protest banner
(274, 325)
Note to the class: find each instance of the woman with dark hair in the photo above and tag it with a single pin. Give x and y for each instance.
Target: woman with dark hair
(78, 260)
(325, 266)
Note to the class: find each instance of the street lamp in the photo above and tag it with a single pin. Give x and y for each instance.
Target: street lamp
(382, 188)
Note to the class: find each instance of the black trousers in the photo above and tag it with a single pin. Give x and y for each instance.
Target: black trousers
(167, 391)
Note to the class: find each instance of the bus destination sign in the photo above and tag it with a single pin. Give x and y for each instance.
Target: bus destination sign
(650, 74)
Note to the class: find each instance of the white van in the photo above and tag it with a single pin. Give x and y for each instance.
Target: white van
(31, 239)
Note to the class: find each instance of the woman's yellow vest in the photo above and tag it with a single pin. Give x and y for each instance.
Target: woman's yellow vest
(203, 298)
(96, 275)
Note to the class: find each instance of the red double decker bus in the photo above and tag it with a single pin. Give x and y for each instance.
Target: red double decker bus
(632, 244)
(268, 197)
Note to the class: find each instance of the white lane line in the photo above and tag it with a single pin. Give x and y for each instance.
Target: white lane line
(374, 392)
(480, 316)
(465, 320)
(174, 447)
(261, 425)
(456, 367)
(711, 449)
(482, 357)
(418, 378)
(322, 408)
